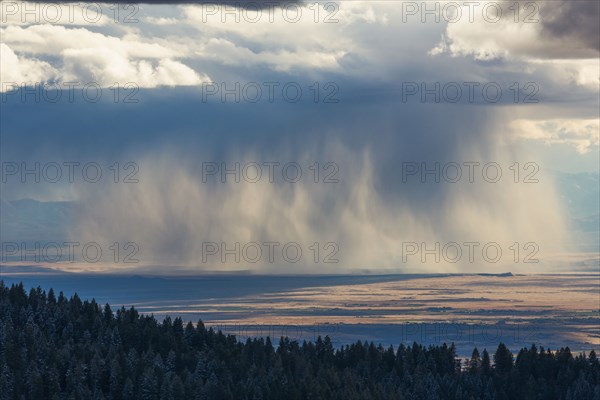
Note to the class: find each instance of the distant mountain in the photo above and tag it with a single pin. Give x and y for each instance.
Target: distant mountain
(502, 275)
(29, 269)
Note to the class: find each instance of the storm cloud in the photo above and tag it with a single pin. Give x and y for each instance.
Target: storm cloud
(387, 116)
(573, 20)
(252, 4)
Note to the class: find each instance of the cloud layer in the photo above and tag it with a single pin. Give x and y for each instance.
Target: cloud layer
(370, 133)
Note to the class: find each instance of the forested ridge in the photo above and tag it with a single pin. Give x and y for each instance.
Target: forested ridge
(54, 347)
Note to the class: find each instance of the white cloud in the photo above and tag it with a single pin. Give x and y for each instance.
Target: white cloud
(162, 21)
(584, 72)
(486, 41)
(51, 40)
(319, 39)
(106, 67)
(80, 55)
(513, 35)
(568, 60)
(18, 69)
(583, 134)
(30, 13)
(227, 52)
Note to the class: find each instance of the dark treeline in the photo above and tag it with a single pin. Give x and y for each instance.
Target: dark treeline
(52, 347)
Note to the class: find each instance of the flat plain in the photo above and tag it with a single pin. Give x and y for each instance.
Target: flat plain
(470, 310)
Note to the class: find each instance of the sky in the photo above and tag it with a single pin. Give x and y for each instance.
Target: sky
(301, 137)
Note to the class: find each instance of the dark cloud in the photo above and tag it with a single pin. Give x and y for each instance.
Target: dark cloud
(171, 136)
(177, 125)
(575, 20)
(394, 132)
(235, 3)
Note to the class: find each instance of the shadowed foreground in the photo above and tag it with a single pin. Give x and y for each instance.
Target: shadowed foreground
(52, 347)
